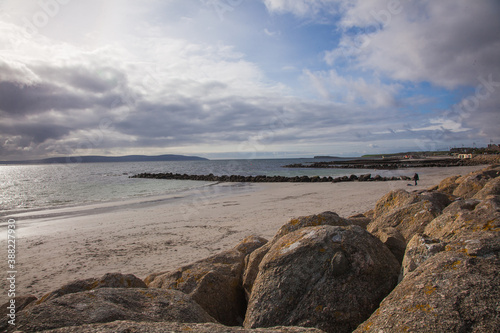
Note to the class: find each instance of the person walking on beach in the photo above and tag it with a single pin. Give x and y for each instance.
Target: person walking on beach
(415, 178)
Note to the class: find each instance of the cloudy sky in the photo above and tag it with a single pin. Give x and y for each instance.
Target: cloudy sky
(247, 78)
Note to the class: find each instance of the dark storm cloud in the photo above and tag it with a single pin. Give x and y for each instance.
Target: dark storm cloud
(35, 133)
(189, 120)
(15, 99)
(20, 100)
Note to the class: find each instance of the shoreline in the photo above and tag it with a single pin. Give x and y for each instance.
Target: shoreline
(74, 208)
(396, 163)
(160, 235)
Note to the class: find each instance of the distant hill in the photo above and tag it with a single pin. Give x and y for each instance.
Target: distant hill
(103, 159)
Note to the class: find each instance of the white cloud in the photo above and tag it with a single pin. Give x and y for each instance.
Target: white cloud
(443, 124)
(271, 33)
(448, 43)
(353, 91)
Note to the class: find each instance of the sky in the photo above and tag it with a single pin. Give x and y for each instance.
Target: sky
(247, 78)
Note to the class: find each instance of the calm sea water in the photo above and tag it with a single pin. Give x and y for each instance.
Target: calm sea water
(26, 187)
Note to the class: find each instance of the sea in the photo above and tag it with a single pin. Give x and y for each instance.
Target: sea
(44, 186)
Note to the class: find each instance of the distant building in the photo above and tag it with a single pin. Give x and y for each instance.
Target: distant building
(464, 156)
(463, 150)
(494, 147)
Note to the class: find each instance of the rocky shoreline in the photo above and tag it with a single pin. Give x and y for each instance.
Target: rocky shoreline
(396, 163)
(417, 262)
(267, 179)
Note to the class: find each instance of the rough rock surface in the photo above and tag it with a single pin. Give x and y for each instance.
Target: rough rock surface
(393, 239)
(253, 260)
(325, 218)
(419, 249)
(20, 302)
(491, 188)
(450, 272)
(110, 304)
(327, 277)
(449, 292)
(409, 213)
(393, 200)
(134, 327)
(448, 185)
(215, 283)
(472, 183)
(359, 219)
(109, 280)
(467, 218)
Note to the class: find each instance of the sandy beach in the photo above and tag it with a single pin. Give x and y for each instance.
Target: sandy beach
(156, 234)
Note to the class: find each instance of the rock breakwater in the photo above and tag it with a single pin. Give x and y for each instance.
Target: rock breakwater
(267, 179)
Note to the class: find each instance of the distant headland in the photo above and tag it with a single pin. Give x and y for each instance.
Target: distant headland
(454, 157)
(104, 159)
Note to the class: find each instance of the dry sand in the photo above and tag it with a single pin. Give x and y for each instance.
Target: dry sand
(157, 234)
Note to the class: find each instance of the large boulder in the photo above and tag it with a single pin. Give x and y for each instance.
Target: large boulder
(107, 305)
(472, 183)
(173, 327)
(215, 283)
(109, 280)
(393, 200)
(450, 292)
(450, 272)
(328, 277)
(409, 213)
(492, 187)
(15, 305)
(466, 218)
(448, 185)
(252, 262)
